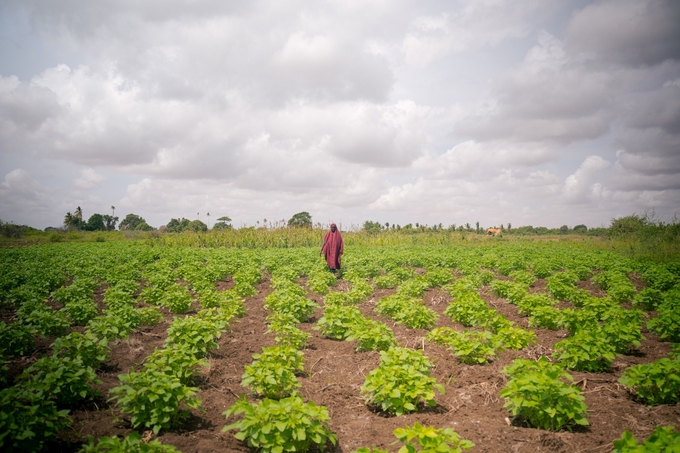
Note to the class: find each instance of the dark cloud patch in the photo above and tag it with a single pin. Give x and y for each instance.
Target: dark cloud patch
(631, 32)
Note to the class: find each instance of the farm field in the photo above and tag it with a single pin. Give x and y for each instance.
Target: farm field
(404, 335)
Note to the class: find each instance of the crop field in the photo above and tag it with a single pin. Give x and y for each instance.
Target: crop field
(500, 347)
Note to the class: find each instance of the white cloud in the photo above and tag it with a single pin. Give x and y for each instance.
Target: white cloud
(89, 179)
(583, 184)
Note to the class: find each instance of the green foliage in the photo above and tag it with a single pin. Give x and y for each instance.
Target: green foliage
(514, 338)
(28, 420)
(110, 327)
(537, 393)
(301, 220)
(66, 380)
(289, 424)
(194, 335)
(287, 333)
(664, 439)
(468, 308)
(89, 348)
(647, 298)
(654, 383)
(272, 374)
(81, 311)
(338, 320)
(174, 361)
(400, 382)
(667, 324)
(45, 322)
(320, 280)
(130, 444)
(545, 317)
(177, 299)
(408, 311)
(153, 399)
(471, 347)
(561, 285)
(414, 287)
(623, 334)
(438, 276)
(149, 316)
(16, 339)
(134, 222)
(429, 439)
(287, 301)
(587, 350)
(574, 320)
(371, 335)
(386, 281)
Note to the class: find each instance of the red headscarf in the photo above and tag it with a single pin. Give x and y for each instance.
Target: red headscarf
(333, 247)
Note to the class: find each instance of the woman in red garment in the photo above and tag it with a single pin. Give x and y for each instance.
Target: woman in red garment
(332, 248)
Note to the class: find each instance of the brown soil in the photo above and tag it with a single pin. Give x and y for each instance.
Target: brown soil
(335, 373)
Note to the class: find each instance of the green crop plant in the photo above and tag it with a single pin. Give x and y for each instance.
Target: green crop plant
(288, 302)
(545, 317)
(654, 383)
(272, 374)
(527, 303)
(152, 294)
(153, 399)
(504, 288)
(561, 285)
(45, 322)
(428, 439)
(89, 348)
(132, 443)
(574, 319)
(176, 362)
(195, 335)
(176, 299)
(81, 311)
(66, 380)
(16, 339)
(514, 338)
(664, 439)
(28, 420)
(371, 335)
(320, 280)
(675, 351)
(667, 324)
(109, 327)
(587, 350)
(338, 320)
(437, 277)
(149, 316)
(401, 382)
(471, 347)
(414, 287)
(287, 333)
(288, 424)
(386, 281)
(408, 311)
(648, 299)
(467, 308)
(658, 277)
(538, 394)
(623, 334)
(524, 277)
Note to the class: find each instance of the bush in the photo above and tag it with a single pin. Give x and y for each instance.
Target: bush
(337, 321)
(66, 380)
(177, 362)
(277, 426)
(16, 339)
(662, 439)
(87, 347)
(585, 351)
(654, 383)
(371, 335)
(272, 374)
(471, 347)
(193, 334)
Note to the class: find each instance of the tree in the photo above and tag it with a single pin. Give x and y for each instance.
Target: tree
(372, 227)
(109, 222)
(580, 228)
(134, 222)
(177, 225)
(301, 220)
(197, 226)
(75, 220)
(95, 223)
(223, 223)
(564, 229)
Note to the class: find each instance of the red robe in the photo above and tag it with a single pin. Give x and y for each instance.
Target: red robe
(333, 248)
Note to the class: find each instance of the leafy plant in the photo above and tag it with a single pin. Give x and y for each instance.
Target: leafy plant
(193, 334)
(587, 350)
(272, 374)
(132, 443)
(153, 399)
(400, 382)
(371, 335)
(67, 380)
(414, 287)
(514, 338)
(177, 299)
(545, 317)
(87, 347)
(662, 439)
(282, 301)
(16, 339)
(28, 420)
(81, 311)
(471, 347)
(537, 393)
(654, 383)
(430, 440)
(288, 424)
(337, 321)
(667, 324)
(174, 361)
(408, 311)
(110, 327)
(287, 333)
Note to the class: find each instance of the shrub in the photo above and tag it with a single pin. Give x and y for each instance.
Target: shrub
(400, 382)
(289, 424)
(28, 420)
(654, 383)
(154, 399)
(537, 393)
(130, 444)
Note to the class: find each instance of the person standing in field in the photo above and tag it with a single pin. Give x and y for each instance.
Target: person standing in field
(332, 248)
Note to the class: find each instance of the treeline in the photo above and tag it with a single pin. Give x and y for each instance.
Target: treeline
(527, 230)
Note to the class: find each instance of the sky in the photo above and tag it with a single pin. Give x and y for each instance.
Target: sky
(530, 112)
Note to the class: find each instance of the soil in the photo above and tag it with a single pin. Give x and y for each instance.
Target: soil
(335, 373)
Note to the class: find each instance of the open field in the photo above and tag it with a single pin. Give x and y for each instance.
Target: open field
(469, 309)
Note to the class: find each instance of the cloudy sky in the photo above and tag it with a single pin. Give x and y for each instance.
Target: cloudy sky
(531, 112)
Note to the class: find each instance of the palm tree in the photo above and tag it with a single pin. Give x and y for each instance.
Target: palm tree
(68, 220)
(208, 221)
(113, 210)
